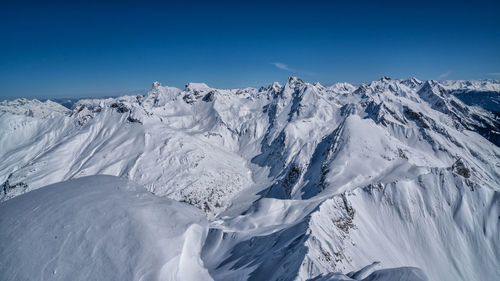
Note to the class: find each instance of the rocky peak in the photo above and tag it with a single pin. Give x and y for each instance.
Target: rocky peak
(156, 85)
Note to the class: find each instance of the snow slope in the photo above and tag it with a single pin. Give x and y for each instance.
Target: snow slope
(100, 228)
(472, 85)
(33, 108)
(298, 180)
(482, 93)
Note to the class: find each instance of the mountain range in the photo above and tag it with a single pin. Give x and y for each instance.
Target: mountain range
(388, 180)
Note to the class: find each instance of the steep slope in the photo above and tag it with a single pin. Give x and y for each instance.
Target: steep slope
(100, 228)
(299, 180)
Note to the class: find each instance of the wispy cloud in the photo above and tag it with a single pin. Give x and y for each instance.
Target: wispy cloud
(494, 74)
(284, 66)
(444, 75)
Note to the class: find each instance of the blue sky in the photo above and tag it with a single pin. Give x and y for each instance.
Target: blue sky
(85, 48)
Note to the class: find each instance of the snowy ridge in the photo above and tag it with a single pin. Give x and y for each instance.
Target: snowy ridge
(472, 85)
(298, 180)
(32, 108)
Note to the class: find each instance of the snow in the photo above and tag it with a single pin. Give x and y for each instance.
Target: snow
(367, 274)
(100, 228)
(297, 181)
(197, 86)
(474, 85)
(32, 108)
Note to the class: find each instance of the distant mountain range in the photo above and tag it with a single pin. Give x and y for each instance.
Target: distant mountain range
(300, 181)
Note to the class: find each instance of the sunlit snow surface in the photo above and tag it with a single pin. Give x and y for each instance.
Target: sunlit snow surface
(100, 228)
(298, 181)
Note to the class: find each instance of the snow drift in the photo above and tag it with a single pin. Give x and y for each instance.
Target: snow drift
(100, 228)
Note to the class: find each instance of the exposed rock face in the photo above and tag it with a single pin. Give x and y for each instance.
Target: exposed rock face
(461, 169)
(120, 107)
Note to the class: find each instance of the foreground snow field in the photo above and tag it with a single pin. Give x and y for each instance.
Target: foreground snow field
(388, 180)
(100, 228)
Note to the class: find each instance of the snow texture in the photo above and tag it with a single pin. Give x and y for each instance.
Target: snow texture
(388, 180)
(100, 228)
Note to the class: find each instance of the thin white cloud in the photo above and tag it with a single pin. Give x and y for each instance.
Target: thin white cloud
(282, 66)
(444, 75)
(494, 74)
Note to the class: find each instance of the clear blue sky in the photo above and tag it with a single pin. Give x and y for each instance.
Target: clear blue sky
(82, 48)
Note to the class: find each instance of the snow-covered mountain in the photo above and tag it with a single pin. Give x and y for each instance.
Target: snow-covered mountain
(471, 85)
(32, 108)
(298, 181)
(483, 93)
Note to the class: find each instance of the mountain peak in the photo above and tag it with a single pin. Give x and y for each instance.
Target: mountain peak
(294, 82)
(196, 86)
(275, 86)
(156, 84)
(293, 79)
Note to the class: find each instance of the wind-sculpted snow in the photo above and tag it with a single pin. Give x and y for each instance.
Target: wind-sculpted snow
(393, 274)
(299, 181)
(100, 228)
